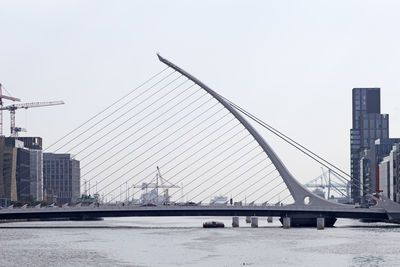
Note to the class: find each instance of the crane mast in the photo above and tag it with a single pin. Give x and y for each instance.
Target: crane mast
(1, 106)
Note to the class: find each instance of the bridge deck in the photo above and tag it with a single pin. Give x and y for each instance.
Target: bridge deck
(135, 211)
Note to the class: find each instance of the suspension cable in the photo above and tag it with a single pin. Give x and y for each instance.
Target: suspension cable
(251, 185)
(159, 142)
(209, 160)
(215, 157)
(108, 107)
(248, 152)
(159, 124)
(188, 149)
(268, 190)
(137, 122)
(120, 116)
(227, 175)
(238, 176)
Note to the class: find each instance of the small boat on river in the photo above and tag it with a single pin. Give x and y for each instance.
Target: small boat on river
(213, 224)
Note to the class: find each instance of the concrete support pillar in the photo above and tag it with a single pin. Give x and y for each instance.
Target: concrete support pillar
(286, 222)
(254, 222)
(248, 220)
(320, 223)
(269, 219)
(235, 221)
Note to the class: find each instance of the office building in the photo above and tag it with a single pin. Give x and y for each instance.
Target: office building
(22, 174)
(34, 144)
(27, 168)
(8, 163)
(369, 164)
(36, 174)
(61, 178)
(388, 174)
(368, 124)
(22, 168)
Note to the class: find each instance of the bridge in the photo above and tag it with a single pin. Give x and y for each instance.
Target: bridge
(207, 146)
(292, 211)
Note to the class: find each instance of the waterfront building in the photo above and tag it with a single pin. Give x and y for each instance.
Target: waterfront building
(369, 164)
(22, 174)
(16, 168)
(36, 174)
(367, 126)
(8, 163)
(61, 178)
(22, 161)
(34, 144)
(388, 177)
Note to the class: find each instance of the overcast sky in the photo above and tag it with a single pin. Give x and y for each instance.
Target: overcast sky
(292, 63)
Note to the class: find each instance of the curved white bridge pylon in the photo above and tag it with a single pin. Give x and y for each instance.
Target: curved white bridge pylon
(301, 195)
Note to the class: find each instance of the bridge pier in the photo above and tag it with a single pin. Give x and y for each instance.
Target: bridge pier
(286, 221)
(254, 222)
(248, 219)
(320, 223)
(308, 220)
(235, 221)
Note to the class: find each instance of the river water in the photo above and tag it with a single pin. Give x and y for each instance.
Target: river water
(172, 241)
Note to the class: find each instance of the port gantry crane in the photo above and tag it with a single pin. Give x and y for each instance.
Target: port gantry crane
(12, 108)
(1, 106)
(157, 182)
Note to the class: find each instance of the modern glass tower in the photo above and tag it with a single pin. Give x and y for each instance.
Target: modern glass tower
(368, 125)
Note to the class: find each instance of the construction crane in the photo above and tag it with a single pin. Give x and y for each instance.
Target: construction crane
(12, 108)
(1, 106)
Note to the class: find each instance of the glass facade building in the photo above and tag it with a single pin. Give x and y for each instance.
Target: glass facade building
(368, 124)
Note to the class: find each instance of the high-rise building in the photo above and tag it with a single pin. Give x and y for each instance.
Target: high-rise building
(61, 177)
(368, 125)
